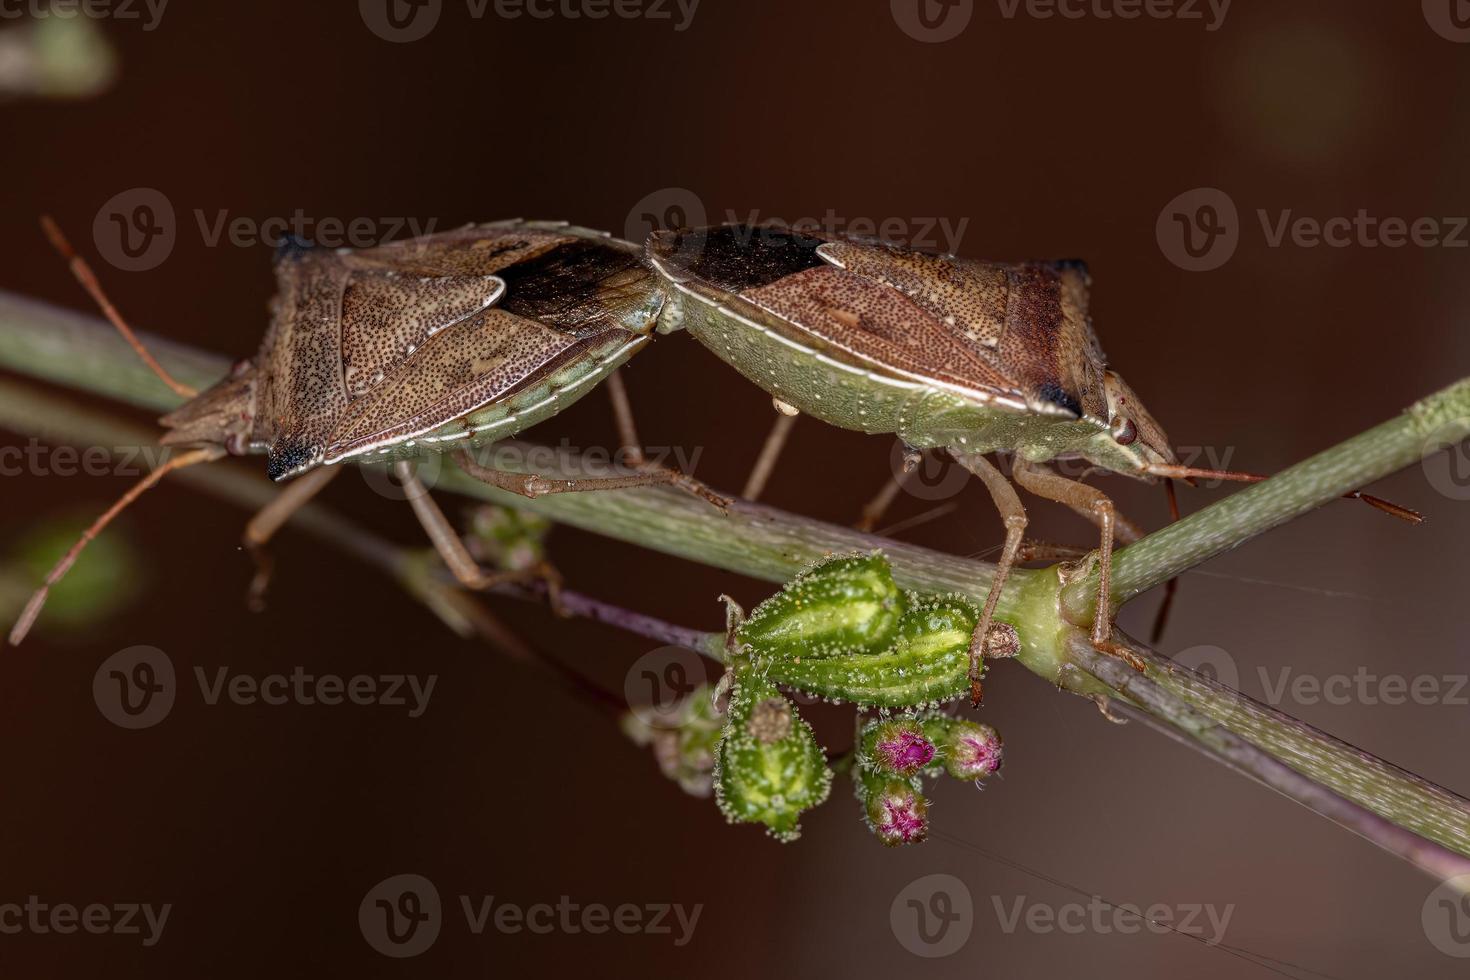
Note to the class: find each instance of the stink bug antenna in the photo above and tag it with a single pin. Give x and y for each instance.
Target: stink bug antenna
(1186, 473)
(38, 599)
(84, 275)
(1161, 618)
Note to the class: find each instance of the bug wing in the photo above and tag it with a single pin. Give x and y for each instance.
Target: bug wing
(346, 323)
(487, 358)
(580, 302)
(871, 322)
(1028, 321)
(787, 280)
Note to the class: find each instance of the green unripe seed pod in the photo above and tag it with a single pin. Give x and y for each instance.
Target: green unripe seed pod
(927, 664)
(769, 768)
(837, 607)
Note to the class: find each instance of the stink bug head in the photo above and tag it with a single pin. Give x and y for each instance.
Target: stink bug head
(221, 415)
(1133, 442)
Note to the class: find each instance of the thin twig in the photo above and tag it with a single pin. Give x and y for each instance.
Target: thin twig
(1244, 757)
(771, 544)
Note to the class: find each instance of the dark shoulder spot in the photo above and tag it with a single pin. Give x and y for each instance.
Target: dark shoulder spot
(740, 257)
(562, 285)
(1050, 391)
(287, 458)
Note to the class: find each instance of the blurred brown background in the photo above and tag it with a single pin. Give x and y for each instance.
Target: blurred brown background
(266, 826)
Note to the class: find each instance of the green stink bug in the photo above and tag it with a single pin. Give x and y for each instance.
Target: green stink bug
(955, 354)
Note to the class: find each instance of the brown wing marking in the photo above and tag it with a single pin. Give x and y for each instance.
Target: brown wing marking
(387, 316)
(477, 250)
(873, 322)
(1028, 321)
(970, 296)
(301, 391)
(454, 373)
(1048, 345)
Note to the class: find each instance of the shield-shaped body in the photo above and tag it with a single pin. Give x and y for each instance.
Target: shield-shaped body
(945, 352)
(430, 344)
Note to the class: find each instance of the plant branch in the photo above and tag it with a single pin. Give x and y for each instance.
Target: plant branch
(1307, 781)
(773, 545)
(1428, 426)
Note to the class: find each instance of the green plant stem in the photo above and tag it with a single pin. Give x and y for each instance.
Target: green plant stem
(770, 544)
(1317, 765)
(1429, 425)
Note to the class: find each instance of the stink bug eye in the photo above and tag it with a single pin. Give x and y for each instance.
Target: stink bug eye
(1126, 434)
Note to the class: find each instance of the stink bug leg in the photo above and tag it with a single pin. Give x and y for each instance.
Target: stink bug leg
(270, 518)
(1093, 504)
(765, 463)
(1014, 514)
(533, 485)
(456, 556)
(633, 446)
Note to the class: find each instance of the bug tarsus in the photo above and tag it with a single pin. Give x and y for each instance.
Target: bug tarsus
(88, 279)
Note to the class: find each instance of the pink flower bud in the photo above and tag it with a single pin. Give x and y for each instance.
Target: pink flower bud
(972, 751)
(898, 814)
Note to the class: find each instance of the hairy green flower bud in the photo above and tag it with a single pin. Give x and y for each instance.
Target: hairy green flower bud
(685, 750)
(837, 607)
(926, 664)
(769, 767)
(508, 538)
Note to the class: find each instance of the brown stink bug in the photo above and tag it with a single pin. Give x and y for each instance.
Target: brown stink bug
(433, 344)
